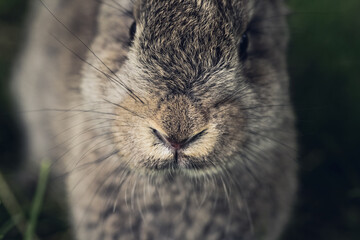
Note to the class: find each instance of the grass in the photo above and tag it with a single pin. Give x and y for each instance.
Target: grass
(18, 219)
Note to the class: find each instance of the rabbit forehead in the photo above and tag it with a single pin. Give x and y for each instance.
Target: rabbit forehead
(240, 4)
(236, 11)
(179, 42)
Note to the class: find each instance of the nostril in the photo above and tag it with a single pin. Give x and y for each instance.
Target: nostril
(196, 137)
(159, 135)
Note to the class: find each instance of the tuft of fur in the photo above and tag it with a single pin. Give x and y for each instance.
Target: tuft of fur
(112, 110)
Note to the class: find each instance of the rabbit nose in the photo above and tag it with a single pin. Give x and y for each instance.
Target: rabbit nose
(169, 141)
(175, 144)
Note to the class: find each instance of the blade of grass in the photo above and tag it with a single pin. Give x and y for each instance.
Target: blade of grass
(5, 228)
(38, 200)
(12, 205)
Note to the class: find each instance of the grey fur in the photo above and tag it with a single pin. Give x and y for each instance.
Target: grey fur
(108, 106)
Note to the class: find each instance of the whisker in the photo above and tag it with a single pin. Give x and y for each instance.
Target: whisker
(122, 107)
(118, 7)
(130, 92)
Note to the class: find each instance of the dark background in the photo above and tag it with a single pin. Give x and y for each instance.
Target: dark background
(324, 65)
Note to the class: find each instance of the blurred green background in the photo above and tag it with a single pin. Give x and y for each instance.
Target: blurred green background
(324, 65)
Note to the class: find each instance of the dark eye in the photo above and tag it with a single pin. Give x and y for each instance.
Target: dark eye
(132, 32)
(244, 43)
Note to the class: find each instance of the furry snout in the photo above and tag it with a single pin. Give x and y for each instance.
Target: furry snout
(172, 132)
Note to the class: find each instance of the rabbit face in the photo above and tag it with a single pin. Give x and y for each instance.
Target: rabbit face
(194, 88)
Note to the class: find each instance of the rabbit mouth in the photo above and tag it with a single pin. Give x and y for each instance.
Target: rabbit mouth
(179, 162)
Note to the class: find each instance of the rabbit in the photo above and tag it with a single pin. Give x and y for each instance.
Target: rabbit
(170, 119)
